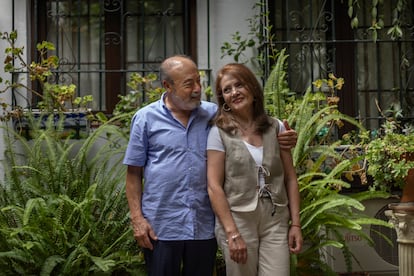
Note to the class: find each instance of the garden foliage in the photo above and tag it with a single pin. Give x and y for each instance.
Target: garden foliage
(63, 205)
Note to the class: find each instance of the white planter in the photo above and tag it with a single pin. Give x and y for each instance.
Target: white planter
(402, 217)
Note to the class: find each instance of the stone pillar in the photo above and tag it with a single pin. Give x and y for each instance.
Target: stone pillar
(402, 217)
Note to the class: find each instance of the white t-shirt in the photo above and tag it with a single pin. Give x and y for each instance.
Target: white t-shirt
(214, 142)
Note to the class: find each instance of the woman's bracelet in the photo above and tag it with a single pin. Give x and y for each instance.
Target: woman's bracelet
(234, 237)
(295, 225)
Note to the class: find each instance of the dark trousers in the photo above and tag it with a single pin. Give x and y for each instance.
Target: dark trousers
(181, 258)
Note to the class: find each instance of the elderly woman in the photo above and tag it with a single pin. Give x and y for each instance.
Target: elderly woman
(252, 182)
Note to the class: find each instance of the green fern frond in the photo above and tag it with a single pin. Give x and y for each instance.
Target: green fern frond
(50, 264)
(276, 88)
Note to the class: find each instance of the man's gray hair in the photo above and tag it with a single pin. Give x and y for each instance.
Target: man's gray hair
(170, 63)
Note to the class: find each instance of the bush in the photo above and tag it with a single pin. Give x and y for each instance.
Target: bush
(63, 206)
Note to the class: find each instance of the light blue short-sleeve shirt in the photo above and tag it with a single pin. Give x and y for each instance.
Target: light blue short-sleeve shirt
(175, 199)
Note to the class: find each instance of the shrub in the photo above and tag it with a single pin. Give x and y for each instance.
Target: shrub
(63, 206)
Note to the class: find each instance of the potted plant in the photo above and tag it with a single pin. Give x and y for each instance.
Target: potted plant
(390, 157)
(45, 98)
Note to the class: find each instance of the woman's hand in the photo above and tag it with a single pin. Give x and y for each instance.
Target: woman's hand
(237, 248)
(295, 239)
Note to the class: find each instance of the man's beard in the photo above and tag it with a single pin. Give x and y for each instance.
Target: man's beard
(188, 105)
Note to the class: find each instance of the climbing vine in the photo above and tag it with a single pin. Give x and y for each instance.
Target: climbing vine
(395, 31)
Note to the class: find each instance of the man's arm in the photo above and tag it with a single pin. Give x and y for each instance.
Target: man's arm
(287, 139)
(143, 232)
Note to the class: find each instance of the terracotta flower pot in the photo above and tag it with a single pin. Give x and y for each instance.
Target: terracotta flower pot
(408, 189)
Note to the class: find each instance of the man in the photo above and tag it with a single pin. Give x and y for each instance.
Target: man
(172, 217)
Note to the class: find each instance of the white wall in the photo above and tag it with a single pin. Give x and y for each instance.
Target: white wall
(226, 18)
(7, 25)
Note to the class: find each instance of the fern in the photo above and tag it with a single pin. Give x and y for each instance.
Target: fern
(276, 88)
(325, 211)
(63, 209)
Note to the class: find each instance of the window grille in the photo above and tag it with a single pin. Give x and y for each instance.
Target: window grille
(101, 43)
(319, 40)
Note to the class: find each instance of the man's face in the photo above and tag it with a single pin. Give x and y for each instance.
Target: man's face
(185, 88)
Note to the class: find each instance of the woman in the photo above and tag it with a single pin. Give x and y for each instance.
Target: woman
(252, 183)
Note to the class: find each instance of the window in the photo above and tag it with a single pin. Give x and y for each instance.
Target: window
(102, 42)
(319, 40)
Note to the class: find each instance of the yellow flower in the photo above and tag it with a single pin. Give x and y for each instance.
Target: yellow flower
(339, 83)
(331, 76)
(318, 83)
(330, 83)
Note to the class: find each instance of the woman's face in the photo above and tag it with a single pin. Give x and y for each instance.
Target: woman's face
(236, 96)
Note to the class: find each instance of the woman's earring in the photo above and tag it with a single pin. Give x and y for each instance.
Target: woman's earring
(226, 107)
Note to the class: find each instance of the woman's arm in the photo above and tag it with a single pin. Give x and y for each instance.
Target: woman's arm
(215, 180)
(292, 188)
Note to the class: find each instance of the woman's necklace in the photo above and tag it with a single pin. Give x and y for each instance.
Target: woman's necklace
(249, 134)
(249, 129)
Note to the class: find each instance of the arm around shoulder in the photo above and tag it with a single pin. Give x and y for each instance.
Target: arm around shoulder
(288, 138)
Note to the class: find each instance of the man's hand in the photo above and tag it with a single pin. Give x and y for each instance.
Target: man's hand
(143, 232)
(287, 139)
